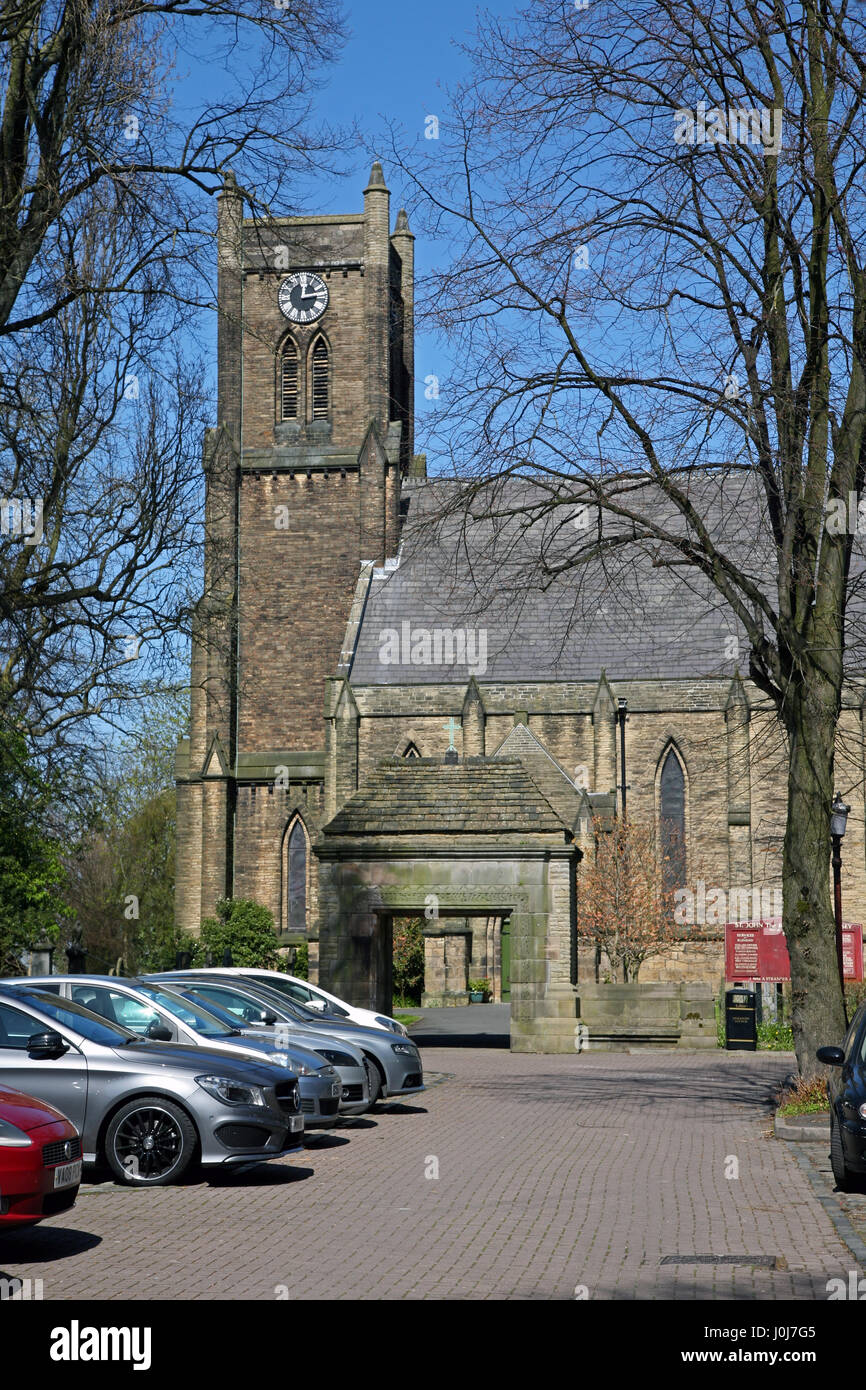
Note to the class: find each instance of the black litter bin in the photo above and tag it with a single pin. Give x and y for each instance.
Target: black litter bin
(741, 1019)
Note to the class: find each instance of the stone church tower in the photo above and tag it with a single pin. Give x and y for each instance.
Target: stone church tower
(303, 475)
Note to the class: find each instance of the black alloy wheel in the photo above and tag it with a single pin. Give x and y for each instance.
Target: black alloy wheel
(150, 1142)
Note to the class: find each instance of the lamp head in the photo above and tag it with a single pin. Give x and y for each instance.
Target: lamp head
(838, 816)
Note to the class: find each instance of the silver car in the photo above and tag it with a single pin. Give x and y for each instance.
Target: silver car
(397, 1060)
(156, 1012)
(146, 1108)
(356, 1072)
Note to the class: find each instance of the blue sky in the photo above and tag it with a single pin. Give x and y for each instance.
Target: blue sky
(393, 70)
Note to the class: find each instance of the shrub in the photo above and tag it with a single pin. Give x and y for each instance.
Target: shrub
(408, 961)
(301, 967)
(806, 1098)
(243, 926)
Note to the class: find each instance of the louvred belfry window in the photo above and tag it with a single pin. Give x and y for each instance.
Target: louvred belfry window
(321, 383)
(289, 381)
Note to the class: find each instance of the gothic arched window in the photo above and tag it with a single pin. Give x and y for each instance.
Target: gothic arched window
(672, 818)
(411, 751)
(289, 381)
(320, 375)
(297, 879)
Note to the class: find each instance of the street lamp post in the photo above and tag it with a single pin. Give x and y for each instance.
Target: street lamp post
(838, 825)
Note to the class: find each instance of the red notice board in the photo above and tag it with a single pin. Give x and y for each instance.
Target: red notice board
(758, 951)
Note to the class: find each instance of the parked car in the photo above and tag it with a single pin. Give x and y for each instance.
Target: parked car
(397, 1061)
(314, 997)
(146, 1108)
(846, 1088)
(40, 1160)
(352, 1067)
(157, 1012)
(359, 1074)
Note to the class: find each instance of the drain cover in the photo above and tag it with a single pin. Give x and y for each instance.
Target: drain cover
(766, 1261)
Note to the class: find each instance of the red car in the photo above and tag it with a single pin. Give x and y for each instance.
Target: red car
(40, 1160)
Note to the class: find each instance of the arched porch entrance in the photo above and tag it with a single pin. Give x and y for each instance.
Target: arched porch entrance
(454, 844)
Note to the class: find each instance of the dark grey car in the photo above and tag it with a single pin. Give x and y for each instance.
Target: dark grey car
(146, 1108)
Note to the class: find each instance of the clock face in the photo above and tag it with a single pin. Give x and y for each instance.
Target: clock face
(303, 296)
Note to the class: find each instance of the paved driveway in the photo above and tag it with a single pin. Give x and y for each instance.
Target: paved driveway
(513, 1176)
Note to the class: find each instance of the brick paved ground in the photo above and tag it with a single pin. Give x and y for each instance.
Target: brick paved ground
(554, 1173)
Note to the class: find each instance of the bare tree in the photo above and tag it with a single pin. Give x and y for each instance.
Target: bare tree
(657, 298)
(107, 262)
(627, 899)
(100, 447)
(86, 89)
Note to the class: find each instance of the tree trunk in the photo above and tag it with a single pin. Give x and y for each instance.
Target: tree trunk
(818, 1006)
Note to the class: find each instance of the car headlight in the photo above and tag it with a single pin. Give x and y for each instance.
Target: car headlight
(11, 1137)
(231, 1092)
(339, 1059)
(393, 1026)
(862, 1114)
(405, 1049)
(301, 1069)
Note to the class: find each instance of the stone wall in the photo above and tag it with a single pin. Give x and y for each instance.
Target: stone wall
(613, 1018)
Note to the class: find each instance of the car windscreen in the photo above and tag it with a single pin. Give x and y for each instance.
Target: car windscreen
(288, 988)
(298, 994)
(188, 1012)
(246, 1007)
(273, 1000)
(245, 1000)
(80, 1020)
(230, 1020)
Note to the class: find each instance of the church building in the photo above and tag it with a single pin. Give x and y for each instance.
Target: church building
(372, 739)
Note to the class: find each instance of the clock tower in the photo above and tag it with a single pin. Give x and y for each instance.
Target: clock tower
(303, 473)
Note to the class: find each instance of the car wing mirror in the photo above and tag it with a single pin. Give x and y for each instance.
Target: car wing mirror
(268, 1019)
(158, 1032)
(830, 1056)
(46, 1046)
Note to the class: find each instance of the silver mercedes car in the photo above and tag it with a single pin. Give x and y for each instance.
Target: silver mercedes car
(160, 1014)
(146, 1108)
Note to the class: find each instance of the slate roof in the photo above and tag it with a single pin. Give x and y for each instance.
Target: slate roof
(412, 796)
(627, 613)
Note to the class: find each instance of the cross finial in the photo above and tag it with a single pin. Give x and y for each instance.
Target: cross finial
(451, 726)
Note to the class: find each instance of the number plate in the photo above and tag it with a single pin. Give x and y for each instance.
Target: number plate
(68, 1175)
(296, 1123)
